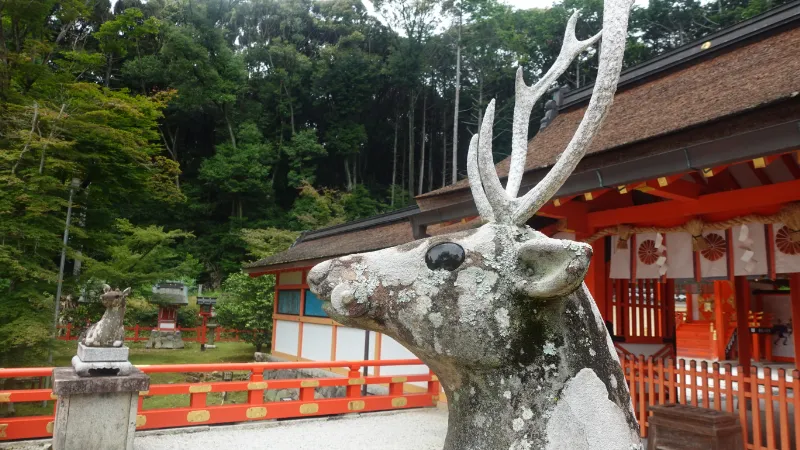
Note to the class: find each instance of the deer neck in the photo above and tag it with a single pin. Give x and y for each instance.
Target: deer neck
(541, 402)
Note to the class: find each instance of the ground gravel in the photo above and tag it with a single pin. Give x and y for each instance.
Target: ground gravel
(419, 429)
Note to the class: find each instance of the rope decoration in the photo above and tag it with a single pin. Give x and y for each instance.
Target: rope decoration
(789, 215)
(624, 232)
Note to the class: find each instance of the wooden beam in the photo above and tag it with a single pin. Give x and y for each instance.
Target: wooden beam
(791, 164)
(761, 196)
(744, 339)
(676, 190)
(762, 176)
(563, 200)
(575, 213)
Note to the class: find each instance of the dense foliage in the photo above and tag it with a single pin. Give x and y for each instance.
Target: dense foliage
(205, 133)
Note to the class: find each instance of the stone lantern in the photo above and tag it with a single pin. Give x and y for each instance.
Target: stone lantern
(210, 325)
(169, 296)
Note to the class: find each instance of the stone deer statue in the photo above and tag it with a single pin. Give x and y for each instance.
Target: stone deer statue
(500, 313)
(109, 331)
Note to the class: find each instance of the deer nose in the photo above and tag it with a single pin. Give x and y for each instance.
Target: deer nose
(318, 273)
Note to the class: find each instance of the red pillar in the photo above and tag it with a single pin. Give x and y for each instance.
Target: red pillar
(742, 297)
(719, 321)
(794, 286)
(596, 279)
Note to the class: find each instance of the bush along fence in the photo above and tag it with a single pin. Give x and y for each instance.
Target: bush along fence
(204, 403)
(138, 333)
(767, 401)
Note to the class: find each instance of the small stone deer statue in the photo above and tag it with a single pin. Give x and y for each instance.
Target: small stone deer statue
(109, 331)
(500, 313)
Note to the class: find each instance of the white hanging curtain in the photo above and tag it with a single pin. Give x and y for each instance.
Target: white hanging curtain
(650, 257)
(680, 257)
(749, 250)
(787, 253)
(714, 258)
(620, 260)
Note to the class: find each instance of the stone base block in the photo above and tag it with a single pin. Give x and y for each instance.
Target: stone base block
(96, 413)
(101, 368)
(102, 354)
(211, 346)
(165, 339)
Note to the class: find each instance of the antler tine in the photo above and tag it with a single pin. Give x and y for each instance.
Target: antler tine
(475, 184)
(615, 26)
(500, 201)
(527, 96)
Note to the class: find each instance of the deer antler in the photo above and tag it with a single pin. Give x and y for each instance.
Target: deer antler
(527, 96)
(496, 204)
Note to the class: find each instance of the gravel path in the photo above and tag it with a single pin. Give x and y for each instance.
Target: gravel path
(420, 429)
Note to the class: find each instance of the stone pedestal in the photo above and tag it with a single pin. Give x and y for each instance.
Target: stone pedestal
(96, 413)
(211, 335)
(101, 361)
(165, 339)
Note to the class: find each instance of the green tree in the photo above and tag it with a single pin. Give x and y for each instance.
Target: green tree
(246, 304)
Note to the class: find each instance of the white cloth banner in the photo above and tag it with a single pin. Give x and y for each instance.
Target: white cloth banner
(787, 253)
(620, 260)
(680, 257)
(749, 250)
(648, 256)
(714, 259)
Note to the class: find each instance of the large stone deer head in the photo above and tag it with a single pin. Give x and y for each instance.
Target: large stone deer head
(500, 313)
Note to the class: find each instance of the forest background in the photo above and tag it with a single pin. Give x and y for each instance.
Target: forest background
(206, 133)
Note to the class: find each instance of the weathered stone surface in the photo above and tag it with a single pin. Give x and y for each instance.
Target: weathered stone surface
(110, 330)
(260, 357)
(503, 317)
(96, 413)
(67, 382)
(165, 339)
(102, 354)
(101, 368)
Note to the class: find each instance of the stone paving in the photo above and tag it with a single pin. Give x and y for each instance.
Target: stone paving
(419, 429)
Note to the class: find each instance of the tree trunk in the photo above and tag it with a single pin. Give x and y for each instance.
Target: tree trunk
(394, 159)
(430, 165)
(230, 128)
(291, 107)
(109, 61)
(411, 143)
(5, 74)
(422, 144)
(50, 137)
(27, 146)
(348, 177)
(444, 147)
(455, 108)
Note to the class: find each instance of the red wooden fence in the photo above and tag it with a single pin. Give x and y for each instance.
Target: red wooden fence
(135, 333)
(251, 381)
(767, 401)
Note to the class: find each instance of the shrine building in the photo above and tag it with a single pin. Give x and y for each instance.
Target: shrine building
(689, 196)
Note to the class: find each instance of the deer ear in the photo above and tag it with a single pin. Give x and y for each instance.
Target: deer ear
(555, 267)
(126, 292)
(106, 288)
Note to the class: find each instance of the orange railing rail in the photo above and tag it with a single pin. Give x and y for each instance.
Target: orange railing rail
(139, 333)
(399, 395)
(767, 401)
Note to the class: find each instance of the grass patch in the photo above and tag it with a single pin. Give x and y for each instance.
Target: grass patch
(226, 352)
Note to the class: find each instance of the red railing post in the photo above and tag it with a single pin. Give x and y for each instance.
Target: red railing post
(353, 390)
(256, 388)
(136, 333)
(434, 388)
(69, 331)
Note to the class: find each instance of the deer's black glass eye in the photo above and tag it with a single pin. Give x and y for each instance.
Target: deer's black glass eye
(447, 256)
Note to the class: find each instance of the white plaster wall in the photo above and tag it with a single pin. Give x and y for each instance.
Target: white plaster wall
(286, 337)
(391, 349)
(317, 342)
(350, 345)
